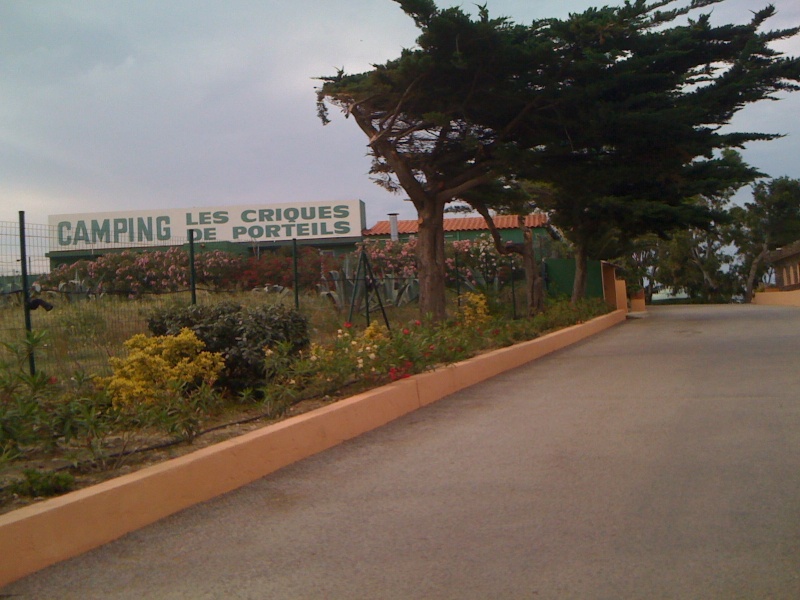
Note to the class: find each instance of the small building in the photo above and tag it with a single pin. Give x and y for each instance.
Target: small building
(466, 228)
(559, 273)
(786, 262)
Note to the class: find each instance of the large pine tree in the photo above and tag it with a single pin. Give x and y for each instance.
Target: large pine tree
(638, 101)
(617, 108)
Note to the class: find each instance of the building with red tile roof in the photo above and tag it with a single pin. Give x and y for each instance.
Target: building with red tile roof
(462, 228)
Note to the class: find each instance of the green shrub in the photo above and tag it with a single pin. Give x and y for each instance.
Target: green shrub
(40, 484)
(240, 334)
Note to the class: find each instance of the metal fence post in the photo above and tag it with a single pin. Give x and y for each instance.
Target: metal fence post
(192, 269)
(458, 277)
(296, 276)
(26, 296)
(513, 290)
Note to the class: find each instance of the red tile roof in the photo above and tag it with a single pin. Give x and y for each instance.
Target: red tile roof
(459, 224)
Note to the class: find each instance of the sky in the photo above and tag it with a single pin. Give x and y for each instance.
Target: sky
(119, 105)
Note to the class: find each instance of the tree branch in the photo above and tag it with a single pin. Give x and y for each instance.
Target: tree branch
(483, 211)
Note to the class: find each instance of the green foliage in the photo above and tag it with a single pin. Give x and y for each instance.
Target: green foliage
(42, 412)
(727, 259)
(83, 420)
(696, 261)
(619, 110)
(438, 118)
(240, 334)
(770, 221)
(42, 484)
(375, 356)
(774, 213)
(637, 136)
(391, 264)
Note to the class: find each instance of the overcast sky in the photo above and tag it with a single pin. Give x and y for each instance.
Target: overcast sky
(116, 105)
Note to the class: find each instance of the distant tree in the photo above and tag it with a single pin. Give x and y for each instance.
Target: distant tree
(697, 262)
(640, 264)
(772, 220)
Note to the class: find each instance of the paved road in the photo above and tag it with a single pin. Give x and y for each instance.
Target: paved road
(660, 459)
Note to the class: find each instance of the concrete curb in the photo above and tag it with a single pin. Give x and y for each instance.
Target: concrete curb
(42, 534)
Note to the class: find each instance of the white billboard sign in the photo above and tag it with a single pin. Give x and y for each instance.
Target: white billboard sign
(244, 224)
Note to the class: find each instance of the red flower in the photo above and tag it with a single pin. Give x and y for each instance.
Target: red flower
(348, 325)
(406, 331)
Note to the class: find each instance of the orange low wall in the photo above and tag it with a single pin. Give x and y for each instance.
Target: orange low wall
(791, 298)
(622, 294)
(36, 536)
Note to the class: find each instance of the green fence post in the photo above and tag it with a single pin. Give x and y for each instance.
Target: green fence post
(296, 276)
(458, 278)
(513, 290)
(192, 269)
(26, 296)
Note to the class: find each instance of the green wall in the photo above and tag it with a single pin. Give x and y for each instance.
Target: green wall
(561, 276)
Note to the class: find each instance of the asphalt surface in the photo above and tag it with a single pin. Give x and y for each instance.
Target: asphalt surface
(659, 459)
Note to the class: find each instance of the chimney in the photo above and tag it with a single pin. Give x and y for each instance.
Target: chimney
(393, 227)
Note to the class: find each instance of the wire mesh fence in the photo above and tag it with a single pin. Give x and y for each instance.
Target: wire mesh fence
(80, 320)
(86, 303)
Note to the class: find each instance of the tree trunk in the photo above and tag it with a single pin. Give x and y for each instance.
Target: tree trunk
(430, 262)
(534, 288)
(648, 292)
(581, 274)
(751, 275)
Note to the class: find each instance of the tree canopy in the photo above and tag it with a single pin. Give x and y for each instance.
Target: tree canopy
(439, 118)
(770, 221)
(635, 130)
(618, 109)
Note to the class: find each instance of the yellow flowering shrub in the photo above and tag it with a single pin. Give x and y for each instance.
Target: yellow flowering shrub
(367, 348)
(159, 365)
(474, 309)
